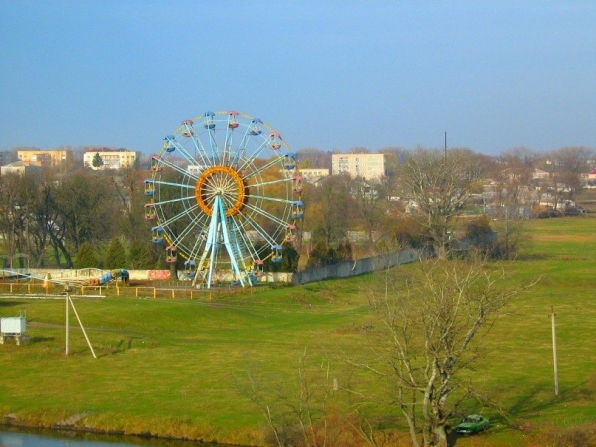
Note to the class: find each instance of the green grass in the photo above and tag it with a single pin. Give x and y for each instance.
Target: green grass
(172, 367)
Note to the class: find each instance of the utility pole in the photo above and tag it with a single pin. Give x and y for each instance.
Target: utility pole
(445, 145)
(552, 316)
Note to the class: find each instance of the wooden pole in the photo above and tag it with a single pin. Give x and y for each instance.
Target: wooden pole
(556, 372)
(82, 328)
(66, 299)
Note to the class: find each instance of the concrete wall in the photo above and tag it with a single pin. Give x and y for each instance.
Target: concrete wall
(359, 267)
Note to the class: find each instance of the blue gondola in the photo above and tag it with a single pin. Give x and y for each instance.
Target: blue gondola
(254, 128)
(190, 268)
(209, 123)
(157, 234)
(149, 187)
(289, 161)
(169, 145)
(297, 210)
(276, 255)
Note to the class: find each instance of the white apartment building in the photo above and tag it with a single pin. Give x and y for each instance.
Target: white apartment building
(112, 158)
(311, 174)
(366, 166)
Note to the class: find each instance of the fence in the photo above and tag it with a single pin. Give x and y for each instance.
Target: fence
(341, 270)
(360, 266)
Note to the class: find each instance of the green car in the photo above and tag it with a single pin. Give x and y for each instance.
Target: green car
(472, 424)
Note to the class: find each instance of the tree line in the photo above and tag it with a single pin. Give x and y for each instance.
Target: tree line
(46, 220)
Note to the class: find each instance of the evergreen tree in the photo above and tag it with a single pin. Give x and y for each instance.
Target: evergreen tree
(97, 161)
(344, 251)
(289, 262)
(116, 256)
(85, 257)
(318, 255)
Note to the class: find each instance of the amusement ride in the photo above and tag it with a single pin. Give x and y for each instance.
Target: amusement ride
(224, 195)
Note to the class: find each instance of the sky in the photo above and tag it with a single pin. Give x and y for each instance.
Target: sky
(326, 74)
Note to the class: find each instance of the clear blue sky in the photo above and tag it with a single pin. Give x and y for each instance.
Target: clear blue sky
(327, 74)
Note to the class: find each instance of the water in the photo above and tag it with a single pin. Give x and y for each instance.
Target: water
(10, 438)
(15, 439)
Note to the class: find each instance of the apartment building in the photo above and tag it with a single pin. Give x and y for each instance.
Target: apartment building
(111, 158)
(43, 157)
(366, 166)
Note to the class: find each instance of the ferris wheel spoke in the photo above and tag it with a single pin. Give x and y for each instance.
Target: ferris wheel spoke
(199, 147)
(272, 182)
(263, 168)
(192, 224)
(265, 214)
(271, 199)
(241, 151)
(251, 159)
(178, 146)
(178, 216)
(256, 227)
(164, 163)
(214, 147)
(228, 142)
(173, 184)
(161, 203)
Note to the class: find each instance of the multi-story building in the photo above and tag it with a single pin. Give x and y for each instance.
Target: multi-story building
(311, 175)
(366, 166)
(44, 158)
(21, 168)
(111, 158)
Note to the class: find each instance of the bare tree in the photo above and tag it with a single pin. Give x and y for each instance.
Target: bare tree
(428, 336)
(371, 204)
(438, 185)
(313, 158)
(569, 163)
(331, 208)
(296, 412)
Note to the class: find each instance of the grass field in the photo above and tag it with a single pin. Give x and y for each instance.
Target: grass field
(178, 367)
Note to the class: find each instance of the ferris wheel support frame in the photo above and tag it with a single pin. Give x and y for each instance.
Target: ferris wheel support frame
(212, 244)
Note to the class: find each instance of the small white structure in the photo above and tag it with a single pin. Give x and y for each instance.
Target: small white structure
(13, 327)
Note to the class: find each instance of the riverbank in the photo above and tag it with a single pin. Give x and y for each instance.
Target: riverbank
(70, 430)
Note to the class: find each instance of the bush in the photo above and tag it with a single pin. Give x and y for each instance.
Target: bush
(322, 255)
(408, 233)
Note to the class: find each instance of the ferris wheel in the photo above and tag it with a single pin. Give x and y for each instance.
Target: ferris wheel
(225, 194)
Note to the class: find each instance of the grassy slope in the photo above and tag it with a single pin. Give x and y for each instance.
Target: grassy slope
(171, 367)
(562, 253)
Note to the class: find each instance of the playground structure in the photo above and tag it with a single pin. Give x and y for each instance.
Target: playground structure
(235, 204)
(82, 277)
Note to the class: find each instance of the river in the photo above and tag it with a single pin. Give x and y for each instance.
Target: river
(47, 438)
